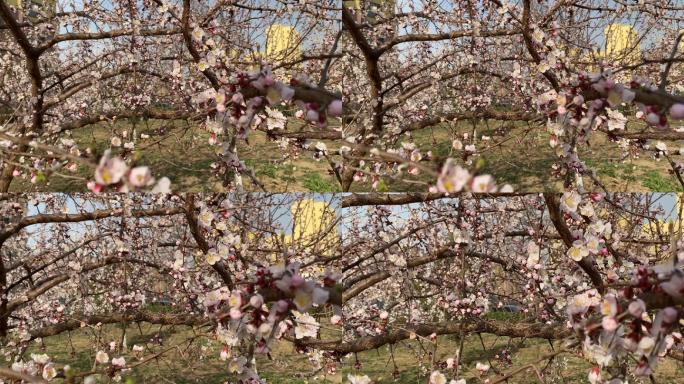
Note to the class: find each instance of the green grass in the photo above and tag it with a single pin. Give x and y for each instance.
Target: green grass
(515, 155)
(523, 158)
(656, 182)
(263, 168)
(315, 182)
(181, 152)
(413, 359)
(407, 362)
(195, 362)
(610, 169)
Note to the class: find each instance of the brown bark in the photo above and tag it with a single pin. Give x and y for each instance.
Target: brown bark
(500, 328)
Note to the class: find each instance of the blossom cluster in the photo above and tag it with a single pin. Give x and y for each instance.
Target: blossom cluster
(454, 178)
(637, 319)
(591, 241)
(258, 313)
(112, 173)
(595, 101)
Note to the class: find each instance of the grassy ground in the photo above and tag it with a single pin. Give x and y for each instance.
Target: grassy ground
(379, 364)
(522, 158)
(185, 157)
(400, 363)
(188, 363)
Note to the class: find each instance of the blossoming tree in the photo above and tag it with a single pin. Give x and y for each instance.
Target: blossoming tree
(81, 263)
(151, 72)
(601, 77)
(597, 276)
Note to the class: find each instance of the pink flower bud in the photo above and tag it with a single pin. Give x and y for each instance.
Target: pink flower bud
(670, 315)
(609, 323)
(636, 308)
(594, 375)
(335, 108)
(256, 301)
(235, 313)
(311, 115)
(653, 118)
(677, 111)
(281, 306)
(297, 281)
(94, 187)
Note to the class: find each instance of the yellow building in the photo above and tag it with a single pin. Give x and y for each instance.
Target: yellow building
(313, 227)
(622, 44)
(314, 230)
(656, 230)
(283, 43)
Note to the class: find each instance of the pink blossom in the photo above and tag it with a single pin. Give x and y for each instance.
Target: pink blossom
(636, 308)
(675, 286)
(140, 177)
(594, 375)
(110, 170)
(609, 323)
(335, 108)
(677, 111)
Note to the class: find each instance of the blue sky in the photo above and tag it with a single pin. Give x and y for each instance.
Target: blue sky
(284, 216)
(288, 18)
(599, 23)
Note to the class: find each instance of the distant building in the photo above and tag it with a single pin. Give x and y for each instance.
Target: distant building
(622, 44)
(621, 47)
(314, 224)
(314, 229)
(655, 229)
(283, 43)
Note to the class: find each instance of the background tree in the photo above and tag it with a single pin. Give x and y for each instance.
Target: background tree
(155, 71)
(218, 263)
(597, 276)
(484, 75)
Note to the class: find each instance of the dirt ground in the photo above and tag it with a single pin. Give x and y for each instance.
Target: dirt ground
(521, 157)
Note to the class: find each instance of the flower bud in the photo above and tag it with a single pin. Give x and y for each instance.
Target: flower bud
(677, 111)
(335, 108)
